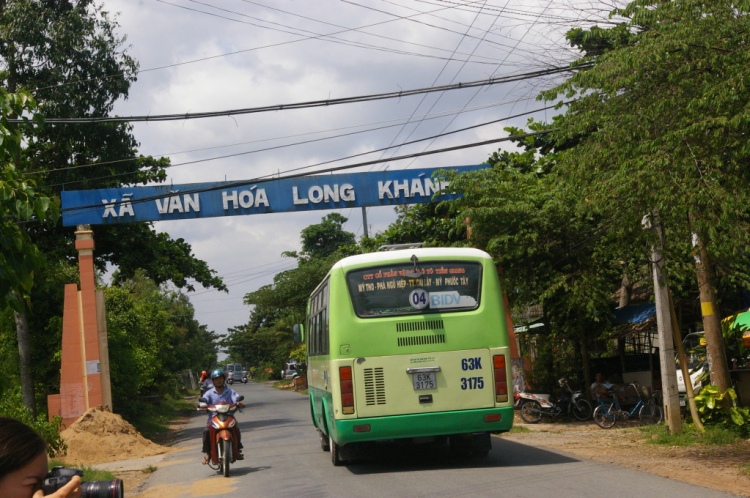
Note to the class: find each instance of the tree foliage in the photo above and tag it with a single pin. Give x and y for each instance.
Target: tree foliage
(20, 202)
(152, 334)
(68, 55)
(323, 239)
(662, 120)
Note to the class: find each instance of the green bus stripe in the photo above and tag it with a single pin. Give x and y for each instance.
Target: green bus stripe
(422, 425)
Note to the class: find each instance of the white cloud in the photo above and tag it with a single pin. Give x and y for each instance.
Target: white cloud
(160, 34)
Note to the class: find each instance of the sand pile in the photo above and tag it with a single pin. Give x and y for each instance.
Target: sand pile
(100, 436)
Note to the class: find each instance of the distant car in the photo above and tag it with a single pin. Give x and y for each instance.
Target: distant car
(290, 372)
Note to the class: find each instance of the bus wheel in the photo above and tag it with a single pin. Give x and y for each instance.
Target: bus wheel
(324, 442)
(460, 445)
(481, 444)
(335, 453)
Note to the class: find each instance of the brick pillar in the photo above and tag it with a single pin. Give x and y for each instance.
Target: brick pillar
(80, 375)
(87, 306)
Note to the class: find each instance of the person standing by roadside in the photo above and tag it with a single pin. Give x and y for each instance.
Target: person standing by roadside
(23, 464)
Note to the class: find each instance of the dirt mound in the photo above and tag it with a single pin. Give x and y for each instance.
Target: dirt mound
(100, 436)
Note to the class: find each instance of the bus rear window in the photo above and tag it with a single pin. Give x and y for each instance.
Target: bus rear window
(387, 290)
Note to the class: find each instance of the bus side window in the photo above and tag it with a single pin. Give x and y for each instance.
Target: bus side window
(311, 336)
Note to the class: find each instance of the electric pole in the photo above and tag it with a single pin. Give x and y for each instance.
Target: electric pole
(664, 326)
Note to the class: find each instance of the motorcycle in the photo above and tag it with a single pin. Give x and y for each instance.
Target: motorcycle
(230, 378)
(244, 377)
(532, 407)
(223, 434)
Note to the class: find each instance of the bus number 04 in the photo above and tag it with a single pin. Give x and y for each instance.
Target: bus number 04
(472, 383)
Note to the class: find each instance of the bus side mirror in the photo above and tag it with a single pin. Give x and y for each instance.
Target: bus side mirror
(298, 332)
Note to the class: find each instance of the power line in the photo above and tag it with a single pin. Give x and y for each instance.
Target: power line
(425, 117)
(313, 165)
(311, 104)
(316, 36)
(226, 54)
(358, 30)
(409, 18)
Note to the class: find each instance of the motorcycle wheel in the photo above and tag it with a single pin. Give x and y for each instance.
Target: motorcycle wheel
(531, 412)
(227, 454)
(582, 409)
(603, 419)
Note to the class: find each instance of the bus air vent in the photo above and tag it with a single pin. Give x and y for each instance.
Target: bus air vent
(374, 386)
(414, 326)
(420, 340)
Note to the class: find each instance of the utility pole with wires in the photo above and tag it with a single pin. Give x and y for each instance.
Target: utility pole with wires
(664, 326)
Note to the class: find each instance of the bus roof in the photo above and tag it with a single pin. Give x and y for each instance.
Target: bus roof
(406, 254)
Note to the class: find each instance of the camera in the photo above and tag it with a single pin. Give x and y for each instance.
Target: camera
(60, 476)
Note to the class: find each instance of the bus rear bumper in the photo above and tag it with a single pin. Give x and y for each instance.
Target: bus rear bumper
(423, 425)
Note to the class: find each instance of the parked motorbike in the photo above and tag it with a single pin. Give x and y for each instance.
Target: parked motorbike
(532, 407)
(223, 434)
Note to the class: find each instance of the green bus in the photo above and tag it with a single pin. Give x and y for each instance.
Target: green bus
(409, 344)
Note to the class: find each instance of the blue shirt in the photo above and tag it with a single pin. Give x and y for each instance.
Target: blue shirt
(213, 397)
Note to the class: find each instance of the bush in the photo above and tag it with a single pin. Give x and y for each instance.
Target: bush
(11, 405)
(712, 412)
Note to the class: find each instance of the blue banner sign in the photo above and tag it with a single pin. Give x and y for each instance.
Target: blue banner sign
(304, 193)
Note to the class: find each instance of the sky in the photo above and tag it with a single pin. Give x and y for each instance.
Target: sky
(217, 55)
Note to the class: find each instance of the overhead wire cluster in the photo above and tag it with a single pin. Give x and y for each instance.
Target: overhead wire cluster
(437, 8)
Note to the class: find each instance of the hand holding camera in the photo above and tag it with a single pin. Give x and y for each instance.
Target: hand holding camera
(66, 483)
(70, 490)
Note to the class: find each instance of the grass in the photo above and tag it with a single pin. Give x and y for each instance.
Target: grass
(152, 421)
(713, 436)
(519, 429)
(745, 469)
(150, 469)
(89, 474)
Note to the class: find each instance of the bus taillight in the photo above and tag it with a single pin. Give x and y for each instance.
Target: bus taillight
(347, 390)
(501, 379)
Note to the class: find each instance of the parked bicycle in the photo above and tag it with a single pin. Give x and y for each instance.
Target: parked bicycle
(609, 410)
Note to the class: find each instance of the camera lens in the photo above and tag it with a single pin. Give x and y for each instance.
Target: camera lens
(102, 489)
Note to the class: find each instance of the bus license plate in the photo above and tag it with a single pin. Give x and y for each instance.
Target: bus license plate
(424, 380)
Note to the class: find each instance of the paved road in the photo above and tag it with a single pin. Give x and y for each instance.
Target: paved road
(283, 459)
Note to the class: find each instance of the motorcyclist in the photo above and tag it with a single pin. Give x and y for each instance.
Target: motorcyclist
(219, 392)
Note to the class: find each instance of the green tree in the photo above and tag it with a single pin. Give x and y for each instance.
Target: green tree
(551, 249)
(19, 201)
(153, 335)
(324, 238)
(19, 204)
(68, 55)
(432, 223)
(664, 120)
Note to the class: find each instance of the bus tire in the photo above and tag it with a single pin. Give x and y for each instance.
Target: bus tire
(335, 453)
(325, 444)
(461, 445)
(481, 444)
